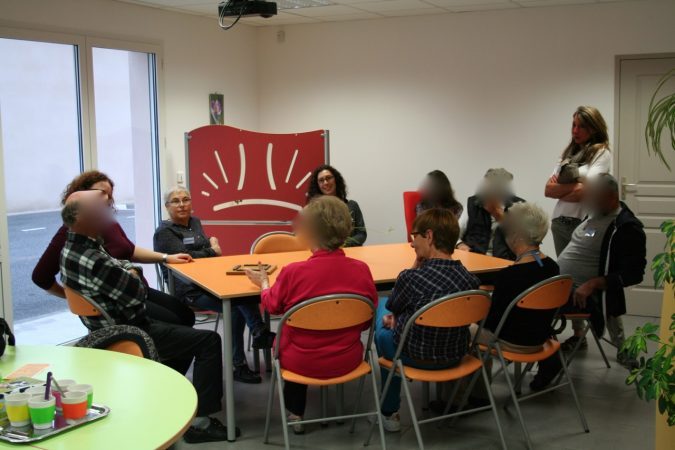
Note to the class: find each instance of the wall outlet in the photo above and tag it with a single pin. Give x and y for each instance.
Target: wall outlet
(180, 177)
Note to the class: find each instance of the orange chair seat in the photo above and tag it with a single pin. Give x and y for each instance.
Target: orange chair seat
(487, 287)
(467, 366)
(577, 316)
(128, 347)
(362, 370)
(549, 348)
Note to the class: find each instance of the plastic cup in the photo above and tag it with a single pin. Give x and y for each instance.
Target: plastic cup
(17, 409)
(88, 388)
(42, 411)
(74, 404)
(64, 384)
(35, 390)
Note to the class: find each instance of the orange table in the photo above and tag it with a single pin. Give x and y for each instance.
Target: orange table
(385, 262)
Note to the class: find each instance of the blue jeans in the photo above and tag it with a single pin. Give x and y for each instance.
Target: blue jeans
(386, 347)
(244, 312)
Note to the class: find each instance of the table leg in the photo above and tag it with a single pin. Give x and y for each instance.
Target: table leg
(229, 381)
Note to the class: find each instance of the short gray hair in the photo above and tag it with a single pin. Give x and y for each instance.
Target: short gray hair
(606, 182)
(169, 193)
(528, 222)
(69, 213)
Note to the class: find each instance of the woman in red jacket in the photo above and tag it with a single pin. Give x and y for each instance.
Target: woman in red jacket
(325, 224)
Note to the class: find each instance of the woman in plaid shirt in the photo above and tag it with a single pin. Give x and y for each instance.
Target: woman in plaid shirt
(434, 275)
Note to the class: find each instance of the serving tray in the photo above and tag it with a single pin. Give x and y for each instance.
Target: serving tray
(27, 434)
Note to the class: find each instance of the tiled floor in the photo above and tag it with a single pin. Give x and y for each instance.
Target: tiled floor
(617, 418)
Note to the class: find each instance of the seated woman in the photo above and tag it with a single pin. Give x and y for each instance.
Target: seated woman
(326, 180)
(437, 192)
(184, 233)
(483, 233)
(323, 224)
(525, 226)
(159, 306)
(435, 274)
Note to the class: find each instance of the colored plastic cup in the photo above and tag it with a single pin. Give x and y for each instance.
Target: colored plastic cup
(42, 411)
(35, 390)
(64, 384)
(17, 409)
(88, 388)
(74, 404)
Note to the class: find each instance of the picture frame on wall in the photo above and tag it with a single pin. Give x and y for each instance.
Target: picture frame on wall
(216, 109)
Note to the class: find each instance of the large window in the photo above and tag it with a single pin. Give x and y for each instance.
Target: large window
(67, 107)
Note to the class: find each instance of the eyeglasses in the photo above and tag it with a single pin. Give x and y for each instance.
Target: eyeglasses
(180, 201)
(326, 179)
(416, 233)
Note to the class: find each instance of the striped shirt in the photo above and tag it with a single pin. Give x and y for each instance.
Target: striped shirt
(89, 270)
(415, 288)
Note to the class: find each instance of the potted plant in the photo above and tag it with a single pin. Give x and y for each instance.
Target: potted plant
(654, 377)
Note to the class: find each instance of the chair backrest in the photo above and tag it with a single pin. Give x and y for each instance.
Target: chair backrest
(456, 310)
(82, 306)
(548, 294)
(277, 242)
(328, 313)
(128, 347)
(410, 201)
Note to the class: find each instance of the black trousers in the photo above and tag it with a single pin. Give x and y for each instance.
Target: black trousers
(295, 397)
(168, 309)
(178, 345)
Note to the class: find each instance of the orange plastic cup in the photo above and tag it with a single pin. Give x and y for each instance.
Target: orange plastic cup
(74, 404)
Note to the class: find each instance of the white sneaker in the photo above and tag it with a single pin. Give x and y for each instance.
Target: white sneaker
(392, 423)
(297, 428)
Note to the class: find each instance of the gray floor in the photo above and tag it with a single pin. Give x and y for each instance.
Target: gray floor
(617, 418)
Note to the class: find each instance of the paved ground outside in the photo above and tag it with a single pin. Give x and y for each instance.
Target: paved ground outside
(29, 235)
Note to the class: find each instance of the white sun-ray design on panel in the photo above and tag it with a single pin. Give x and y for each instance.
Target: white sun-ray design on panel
(206, 194)
(301, 182)
(270, 173)
(210, 180)
(242, 172)
(220, 165)
(290, 167)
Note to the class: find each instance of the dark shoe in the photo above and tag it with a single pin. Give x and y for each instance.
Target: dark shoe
(264, 340)
(570, 343)
(245, 375)
(215, 432)
(626, 361)
(548, 370)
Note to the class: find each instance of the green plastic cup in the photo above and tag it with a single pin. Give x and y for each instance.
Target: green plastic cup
(42, 411)
(88, 388)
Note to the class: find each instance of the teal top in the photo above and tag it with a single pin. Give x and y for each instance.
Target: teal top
(151, 405)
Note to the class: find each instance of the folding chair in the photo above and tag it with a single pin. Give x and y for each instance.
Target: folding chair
(86, 307)
(272, 242)
(328, 312)
(589, 327)
(456, 310)
(549, 294)
(208, 315)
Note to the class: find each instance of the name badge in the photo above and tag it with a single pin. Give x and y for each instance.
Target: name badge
(589, 232)
(189, 241)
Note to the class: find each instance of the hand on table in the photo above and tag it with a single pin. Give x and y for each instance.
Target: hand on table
(179, 258)
(215, 246)
(258, 277)
(463, 246)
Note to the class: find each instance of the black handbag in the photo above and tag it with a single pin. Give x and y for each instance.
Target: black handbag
(5, 330)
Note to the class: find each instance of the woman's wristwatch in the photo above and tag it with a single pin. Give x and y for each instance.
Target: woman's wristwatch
(165, 258)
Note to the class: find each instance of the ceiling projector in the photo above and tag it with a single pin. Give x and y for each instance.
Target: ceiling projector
(247, 8)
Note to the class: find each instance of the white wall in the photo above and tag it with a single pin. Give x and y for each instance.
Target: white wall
(461, 93)
(199, 58)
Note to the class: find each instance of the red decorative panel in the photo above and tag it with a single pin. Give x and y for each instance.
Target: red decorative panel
(245, 183)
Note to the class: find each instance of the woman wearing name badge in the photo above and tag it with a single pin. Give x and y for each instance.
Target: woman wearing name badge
(327, 180)
(183, 232)
(586, 156)
(160, 306)
(437, 192)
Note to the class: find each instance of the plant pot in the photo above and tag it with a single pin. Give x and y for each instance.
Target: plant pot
(665, 435)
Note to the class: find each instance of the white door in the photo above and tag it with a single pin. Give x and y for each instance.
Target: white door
(648, 188)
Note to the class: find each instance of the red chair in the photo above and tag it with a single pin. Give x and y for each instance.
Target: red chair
(410, 201)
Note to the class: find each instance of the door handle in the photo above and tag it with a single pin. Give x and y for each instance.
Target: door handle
(627, 187)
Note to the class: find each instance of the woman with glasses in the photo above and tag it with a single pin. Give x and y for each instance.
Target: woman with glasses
(160, 306)
(326, 180)
(183, 233)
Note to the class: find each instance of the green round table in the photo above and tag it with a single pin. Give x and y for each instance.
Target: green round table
(150, 404)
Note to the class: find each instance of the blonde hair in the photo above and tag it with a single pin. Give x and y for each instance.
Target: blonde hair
(528, 222)
(590, 118)
(330, 221)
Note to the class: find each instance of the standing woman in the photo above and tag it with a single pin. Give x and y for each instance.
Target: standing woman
(437, 192)
(326, 180)
(160, 306)
(586, 156)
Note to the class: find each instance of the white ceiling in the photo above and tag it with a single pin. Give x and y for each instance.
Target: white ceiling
(341, 10)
